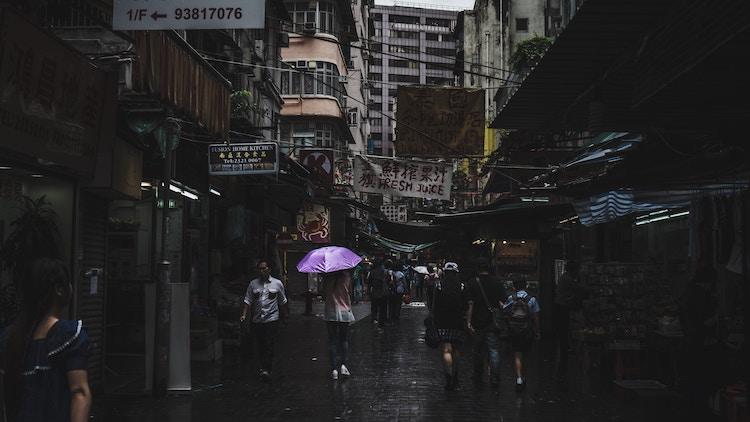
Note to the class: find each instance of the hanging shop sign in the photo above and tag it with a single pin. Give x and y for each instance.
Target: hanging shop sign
(416, 179)
(343, 175)
(128, 15)
(319, 162)
(234, 159)
(51, 97)
(314, 223)
(439, 121)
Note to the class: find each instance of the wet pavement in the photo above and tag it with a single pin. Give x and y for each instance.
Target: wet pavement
(395, 377)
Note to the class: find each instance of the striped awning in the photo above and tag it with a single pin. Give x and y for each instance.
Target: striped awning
(608, 206)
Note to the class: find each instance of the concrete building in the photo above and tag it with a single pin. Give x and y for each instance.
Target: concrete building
(417, 47)
(314, 89)
(487, 37)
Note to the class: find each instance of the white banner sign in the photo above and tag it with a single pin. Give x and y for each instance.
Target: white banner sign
(417, 179)
(188, 14)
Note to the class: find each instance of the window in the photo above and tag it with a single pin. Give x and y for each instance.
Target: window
(446, 23)
(404, 63)
(404, 78)
(323, 79)
(378, 32)
(376, 47)
(439, 81)
(438, 66)
(375, 106)
(375, 136)
(376, 76)
(376, 121)
(442, 52)
(403, 19)
(320, 13)
(376, 62)
(403, 49)
(378, 17)
(403, 34)
(522, 25)
(352, 117)
(393, 93)
(390, 106)
(430, 36)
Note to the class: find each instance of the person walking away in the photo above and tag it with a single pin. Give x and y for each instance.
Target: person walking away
(448, 311)
(45, 357)
(337, 288)
(431, 281)
(523, 325)
(358, 281)
(378, 293)
(266, 300)
(567, 297)
(485, 295)
(399, 289)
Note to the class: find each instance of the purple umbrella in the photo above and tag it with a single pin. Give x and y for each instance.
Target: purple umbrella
(328, 260)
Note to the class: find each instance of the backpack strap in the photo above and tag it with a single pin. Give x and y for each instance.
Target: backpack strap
(484, 295)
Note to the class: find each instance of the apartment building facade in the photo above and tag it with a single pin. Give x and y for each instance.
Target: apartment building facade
(410, 46)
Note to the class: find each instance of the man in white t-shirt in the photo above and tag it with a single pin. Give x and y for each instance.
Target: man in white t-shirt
(266, 300)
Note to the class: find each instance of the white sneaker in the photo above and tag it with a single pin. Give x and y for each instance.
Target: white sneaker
(334, 374)
(345, 371)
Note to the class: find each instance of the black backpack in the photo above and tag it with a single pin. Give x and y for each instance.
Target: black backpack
(519, 317)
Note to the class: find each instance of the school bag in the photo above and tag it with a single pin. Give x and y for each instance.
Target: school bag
(519, 317)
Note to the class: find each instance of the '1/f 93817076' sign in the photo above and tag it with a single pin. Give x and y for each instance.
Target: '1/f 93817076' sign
(260, 158)
(187, 14)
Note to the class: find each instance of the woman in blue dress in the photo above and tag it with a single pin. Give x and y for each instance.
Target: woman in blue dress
(44, 357)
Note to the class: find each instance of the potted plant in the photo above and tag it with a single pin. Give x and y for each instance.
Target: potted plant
(34, 234)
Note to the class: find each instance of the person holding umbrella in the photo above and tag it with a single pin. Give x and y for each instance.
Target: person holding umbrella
(333, 262)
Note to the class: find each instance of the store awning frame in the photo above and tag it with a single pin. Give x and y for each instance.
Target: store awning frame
(394, 245)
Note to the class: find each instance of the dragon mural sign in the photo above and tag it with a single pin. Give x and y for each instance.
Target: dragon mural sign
(314, 223)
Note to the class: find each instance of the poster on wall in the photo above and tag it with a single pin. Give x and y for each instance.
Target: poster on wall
(314, 223)
(319, 162)
(415, 179)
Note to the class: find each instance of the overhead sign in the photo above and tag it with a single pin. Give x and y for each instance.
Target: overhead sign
(131, 15)
(416, 179)
(320, 164)
(258, 158)
(439, 121)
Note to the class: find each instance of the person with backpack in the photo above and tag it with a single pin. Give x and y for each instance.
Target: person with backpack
(522, 311)
(399, 289)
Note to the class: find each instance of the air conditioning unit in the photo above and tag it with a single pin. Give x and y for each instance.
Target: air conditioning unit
(343, 79)
(312, 65)
(309, 28)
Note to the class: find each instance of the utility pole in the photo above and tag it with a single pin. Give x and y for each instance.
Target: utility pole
(168, 136)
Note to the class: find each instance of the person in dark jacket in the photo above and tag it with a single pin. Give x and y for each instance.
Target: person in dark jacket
(448, 310)
(44, 357)
(480, 324)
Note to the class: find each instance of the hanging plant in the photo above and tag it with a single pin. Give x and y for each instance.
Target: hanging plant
(242, 102)
(529, 52)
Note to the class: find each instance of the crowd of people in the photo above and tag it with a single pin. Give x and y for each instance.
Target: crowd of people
(471, 306)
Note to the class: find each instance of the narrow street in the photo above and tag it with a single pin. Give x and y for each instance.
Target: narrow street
(395, 377)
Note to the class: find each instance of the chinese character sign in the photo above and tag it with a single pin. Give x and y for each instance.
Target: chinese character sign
(416, 179)
(52, 99)
(314, 223)
(441, 121)
(233, 159)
